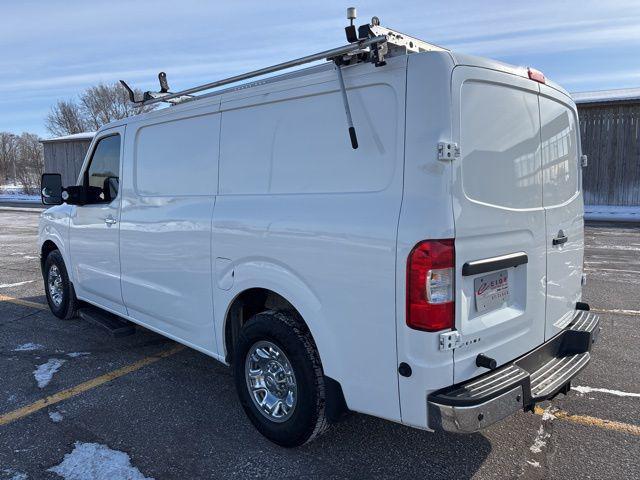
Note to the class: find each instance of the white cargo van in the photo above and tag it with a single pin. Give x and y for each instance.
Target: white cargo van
(419, 259)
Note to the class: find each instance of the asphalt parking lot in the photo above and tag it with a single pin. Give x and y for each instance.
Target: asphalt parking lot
(147, 408)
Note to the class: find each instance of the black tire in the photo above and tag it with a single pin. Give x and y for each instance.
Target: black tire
(290, 335)
(67, 308)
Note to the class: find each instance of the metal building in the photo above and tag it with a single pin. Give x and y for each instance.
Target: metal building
(65, 155)
(610, 135)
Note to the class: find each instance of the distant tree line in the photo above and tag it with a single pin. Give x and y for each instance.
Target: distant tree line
(21, 157)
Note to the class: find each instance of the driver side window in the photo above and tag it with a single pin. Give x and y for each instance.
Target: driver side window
(103, 173)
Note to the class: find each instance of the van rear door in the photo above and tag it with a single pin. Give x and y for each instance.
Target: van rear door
(562, 200)
(499, 218)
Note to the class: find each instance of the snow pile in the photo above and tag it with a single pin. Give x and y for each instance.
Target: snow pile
(97, 462)
(28, 347)
(44, 373)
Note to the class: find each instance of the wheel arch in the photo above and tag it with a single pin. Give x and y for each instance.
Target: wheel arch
(252, 300)
(46, 248)
(53, 234)
(248, 302)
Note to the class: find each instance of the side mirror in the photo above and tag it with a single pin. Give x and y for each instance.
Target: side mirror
(51, 189)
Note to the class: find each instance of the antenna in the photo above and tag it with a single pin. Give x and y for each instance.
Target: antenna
(352, 35)
(351, 14)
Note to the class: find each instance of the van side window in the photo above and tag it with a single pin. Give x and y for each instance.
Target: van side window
(104, 168)
(178, 157)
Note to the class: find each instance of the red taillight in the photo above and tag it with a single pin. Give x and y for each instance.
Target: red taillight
(430, 282)
(536, 75)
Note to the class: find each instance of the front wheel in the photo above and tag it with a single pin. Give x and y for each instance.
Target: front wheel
(279, 379)
(59, 290)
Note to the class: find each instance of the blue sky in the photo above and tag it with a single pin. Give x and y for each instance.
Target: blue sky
(52, 50)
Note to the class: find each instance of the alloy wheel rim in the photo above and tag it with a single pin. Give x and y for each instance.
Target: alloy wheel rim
(54, 282)
(271, 381)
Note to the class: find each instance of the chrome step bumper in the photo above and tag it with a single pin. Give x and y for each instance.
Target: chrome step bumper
(536, 376)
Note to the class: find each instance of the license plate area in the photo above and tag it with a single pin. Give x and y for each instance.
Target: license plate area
(491, 291)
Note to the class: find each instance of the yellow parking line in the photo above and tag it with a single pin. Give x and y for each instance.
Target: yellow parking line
(24, 303)
(96, 382)
(83, 387)
(593, 422)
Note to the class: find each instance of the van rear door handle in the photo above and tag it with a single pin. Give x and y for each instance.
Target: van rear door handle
(560, 239)
(110, 220)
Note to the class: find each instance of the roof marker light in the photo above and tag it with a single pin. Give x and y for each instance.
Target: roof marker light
(536, 75)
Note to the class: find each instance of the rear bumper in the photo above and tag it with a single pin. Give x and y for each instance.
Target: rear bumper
(536, 376)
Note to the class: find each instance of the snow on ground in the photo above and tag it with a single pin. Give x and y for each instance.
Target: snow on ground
(11, 474)
(612, 213)
(28, 347)
(13, 192)
(44, 373)
(77, 354)
(540, 441)
(92, 461)
(56, 417)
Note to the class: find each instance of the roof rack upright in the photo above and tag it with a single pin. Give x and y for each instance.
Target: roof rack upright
(371, 43)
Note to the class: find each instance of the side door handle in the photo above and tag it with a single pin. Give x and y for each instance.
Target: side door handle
(110, 220)
(560, 239)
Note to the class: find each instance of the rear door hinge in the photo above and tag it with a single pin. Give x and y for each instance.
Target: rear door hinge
(448, 150)
(453, 339)
(449, 340)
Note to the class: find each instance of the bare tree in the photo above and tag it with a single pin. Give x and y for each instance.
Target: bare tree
(29, 161)
(95, 107)
(66, 118)
(8, 147)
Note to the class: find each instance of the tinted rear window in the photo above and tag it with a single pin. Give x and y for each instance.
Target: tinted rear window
(500, 144)
(559, 152)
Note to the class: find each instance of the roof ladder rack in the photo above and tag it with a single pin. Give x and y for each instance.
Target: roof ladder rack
(371, 43)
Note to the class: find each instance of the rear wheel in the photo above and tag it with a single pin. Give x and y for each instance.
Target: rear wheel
(279, 379)
(59, 290)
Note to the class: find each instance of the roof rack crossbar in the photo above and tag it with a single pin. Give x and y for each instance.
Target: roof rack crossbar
(325, 55)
